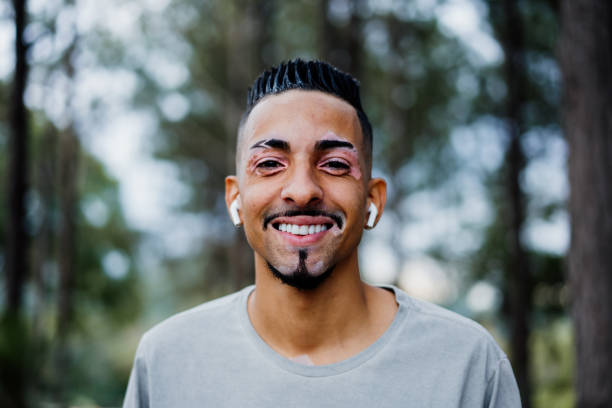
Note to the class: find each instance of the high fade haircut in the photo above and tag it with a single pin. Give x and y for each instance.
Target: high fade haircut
(314, 75)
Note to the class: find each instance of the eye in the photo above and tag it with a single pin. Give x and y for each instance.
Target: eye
(336, 164)
(336, 167)
(268, 164)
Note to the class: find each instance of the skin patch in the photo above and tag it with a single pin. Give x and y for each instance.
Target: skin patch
(272, 144)
(257, 157)
(331, 145)
(342, 148)
(266, 144)
(302, 359)
(301, 278)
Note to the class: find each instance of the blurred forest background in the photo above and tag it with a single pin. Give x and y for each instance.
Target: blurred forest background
(117, 128)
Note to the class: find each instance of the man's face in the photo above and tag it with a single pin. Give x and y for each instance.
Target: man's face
(303, 184)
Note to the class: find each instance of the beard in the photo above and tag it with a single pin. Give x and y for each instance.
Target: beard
(301, 278)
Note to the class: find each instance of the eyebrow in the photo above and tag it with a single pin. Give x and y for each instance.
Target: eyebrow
(332, 144)
(272, 144)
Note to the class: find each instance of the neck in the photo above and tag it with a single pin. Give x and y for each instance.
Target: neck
(339, 318)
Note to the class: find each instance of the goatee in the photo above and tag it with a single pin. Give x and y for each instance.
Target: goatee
(301, 279)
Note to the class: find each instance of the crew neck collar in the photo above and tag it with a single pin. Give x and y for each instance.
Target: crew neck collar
(327, 369)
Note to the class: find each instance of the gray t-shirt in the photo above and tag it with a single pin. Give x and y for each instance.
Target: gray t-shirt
(211, 356)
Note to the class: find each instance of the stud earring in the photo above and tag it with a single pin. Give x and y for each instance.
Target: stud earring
(234, 207)
(372, 217)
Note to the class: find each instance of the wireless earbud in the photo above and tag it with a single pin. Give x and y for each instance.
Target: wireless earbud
(234, 207)
(372, 217)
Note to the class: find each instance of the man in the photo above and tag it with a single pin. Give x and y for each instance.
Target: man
(310, 333)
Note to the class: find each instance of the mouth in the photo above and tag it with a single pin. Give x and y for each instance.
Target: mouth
(298, 222)
(301, 229)
(304, 230)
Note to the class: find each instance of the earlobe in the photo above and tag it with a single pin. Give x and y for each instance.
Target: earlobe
(232, 199)
(373, 213)
(234, 207)
(377, 196)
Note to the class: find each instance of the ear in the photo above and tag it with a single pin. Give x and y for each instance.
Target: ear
(377, 196)
(232, 199)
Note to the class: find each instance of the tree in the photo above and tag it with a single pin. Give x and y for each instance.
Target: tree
(82, 292)
(16, 265)
(517, 271)
(586, 59)
(528, 109)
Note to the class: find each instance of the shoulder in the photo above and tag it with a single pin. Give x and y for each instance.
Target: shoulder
(196, 323)
(438, 315)
(452, 348)
(445, 331)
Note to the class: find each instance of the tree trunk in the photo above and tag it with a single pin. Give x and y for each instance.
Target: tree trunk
(245, 43)
(586, 61)
(16, 240)
(68, 170)
(517, 272)
(14, 336)
(43, 244)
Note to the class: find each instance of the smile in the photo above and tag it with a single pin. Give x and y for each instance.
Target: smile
(296, 229)
(303, 218)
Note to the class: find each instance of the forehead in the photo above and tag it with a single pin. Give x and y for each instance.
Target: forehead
(302, 117)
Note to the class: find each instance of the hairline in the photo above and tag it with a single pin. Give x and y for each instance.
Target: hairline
(364, 140)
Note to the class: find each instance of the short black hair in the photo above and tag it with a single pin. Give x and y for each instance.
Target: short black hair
(312, 75)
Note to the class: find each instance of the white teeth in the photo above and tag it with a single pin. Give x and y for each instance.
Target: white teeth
(302, 229)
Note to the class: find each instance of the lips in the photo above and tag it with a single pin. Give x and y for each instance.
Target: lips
(303, 229)
(302, 224)
(303, 218)
(296, 229)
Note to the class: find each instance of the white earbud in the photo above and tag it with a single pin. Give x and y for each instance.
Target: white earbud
(372, 217)
(234, 207)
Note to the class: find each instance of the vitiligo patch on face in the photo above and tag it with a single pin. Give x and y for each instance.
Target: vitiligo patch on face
(271, 144)
(302, 278)
(331, 146)
(256, 158)
(265, 144)
(342, 148)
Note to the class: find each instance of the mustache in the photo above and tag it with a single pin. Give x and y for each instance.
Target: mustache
(306, 211)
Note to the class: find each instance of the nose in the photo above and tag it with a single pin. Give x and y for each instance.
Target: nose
(301, 187)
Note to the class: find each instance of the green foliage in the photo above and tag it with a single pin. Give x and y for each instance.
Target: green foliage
(193, 63)
(553, 365)
(16, 359)
(102, 305)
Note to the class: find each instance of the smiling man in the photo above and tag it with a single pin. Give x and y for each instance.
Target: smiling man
(310, 333)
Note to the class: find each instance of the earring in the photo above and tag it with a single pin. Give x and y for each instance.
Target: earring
(234, 212)
(372, 217)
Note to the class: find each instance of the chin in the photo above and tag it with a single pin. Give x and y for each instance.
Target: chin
(302, 277)
(301, 280)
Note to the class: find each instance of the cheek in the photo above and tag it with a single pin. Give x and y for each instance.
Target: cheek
(252, 208)
(352, 159)
(355, 172)
(350, 196)
(260, 195)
